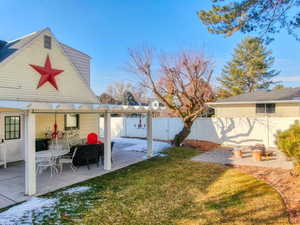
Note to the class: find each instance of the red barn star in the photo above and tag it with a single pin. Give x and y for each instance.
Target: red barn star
(47, 73)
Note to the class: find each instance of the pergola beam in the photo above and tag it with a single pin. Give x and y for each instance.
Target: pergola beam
(100, 109)
(60, 111)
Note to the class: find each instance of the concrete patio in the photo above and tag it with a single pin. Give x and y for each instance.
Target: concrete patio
(12, 179)
(225, 156)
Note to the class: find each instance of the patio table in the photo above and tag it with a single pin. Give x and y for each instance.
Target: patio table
(52, 153)
(49, 159)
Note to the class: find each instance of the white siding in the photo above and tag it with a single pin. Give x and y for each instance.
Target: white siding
(88, 124)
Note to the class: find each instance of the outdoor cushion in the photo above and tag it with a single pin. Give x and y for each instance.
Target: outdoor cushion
(42, 144)
(87, 154)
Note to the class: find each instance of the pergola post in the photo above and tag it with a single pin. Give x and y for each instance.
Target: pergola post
(99, 124)
(107, 141)
(30, 176)
(149, 135)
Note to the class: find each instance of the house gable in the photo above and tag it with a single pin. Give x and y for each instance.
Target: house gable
(19, 81)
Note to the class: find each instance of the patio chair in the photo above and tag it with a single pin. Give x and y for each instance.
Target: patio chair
(68, 160)
(43, 163)
(59, 144)
(92, 139)
(74, 139)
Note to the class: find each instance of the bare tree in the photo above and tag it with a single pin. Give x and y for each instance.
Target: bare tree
(108, 99)
(181, 83)
(117, 90)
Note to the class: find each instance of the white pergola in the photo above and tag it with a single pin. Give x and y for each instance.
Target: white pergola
(106, 110)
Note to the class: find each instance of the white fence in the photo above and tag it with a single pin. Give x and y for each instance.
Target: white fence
(231, 131)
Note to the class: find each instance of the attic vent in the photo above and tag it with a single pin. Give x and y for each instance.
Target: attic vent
(47, 42)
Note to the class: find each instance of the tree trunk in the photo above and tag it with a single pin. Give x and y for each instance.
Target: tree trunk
(183, 134)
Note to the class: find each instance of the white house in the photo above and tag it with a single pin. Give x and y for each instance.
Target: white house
(42, 81)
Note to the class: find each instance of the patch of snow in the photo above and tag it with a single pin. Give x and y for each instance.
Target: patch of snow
(37, 207)
(23, 213)
(162, 155)
(156, 154)
(77, 190)
(139, 145)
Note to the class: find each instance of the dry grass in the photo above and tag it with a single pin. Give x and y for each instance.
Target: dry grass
(173, 190)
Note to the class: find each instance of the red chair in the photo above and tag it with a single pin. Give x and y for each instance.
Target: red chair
(92, 139)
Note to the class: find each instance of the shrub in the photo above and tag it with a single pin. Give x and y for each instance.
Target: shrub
(288, 142)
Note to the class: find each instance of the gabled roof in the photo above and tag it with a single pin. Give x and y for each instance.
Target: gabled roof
(278, 95)
(11, 47)
(78, 58)
(74, 49)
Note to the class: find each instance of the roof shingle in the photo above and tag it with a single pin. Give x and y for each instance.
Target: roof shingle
(284, 94)
(13, 46)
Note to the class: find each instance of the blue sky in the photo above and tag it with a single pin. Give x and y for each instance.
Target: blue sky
(106, 29)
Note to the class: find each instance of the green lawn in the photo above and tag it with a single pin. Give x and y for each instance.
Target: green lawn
(170, 190)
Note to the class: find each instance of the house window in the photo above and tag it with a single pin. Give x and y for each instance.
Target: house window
(265, 108)
(47, 42)
(12, 127)
(71, 121)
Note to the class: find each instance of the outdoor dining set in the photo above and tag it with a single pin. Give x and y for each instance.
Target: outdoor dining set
(71, 151)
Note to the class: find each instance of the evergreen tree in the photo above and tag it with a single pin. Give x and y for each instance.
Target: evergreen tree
(249, 69)
(266, 17)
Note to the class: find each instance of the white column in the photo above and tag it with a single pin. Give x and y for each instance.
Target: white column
(107, 141)
(30, 176)
(149, 135)
(99, 124)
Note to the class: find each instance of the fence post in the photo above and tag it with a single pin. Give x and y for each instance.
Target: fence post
(149, 135)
